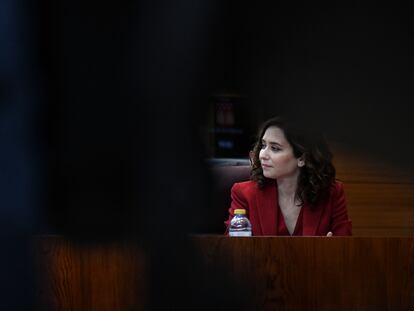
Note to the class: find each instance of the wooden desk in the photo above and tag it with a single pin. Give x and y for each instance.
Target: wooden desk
(318, 273)
(311, 273)
(72, 276)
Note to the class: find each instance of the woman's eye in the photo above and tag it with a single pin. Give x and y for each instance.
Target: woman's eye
(263, 145)
(275, 149)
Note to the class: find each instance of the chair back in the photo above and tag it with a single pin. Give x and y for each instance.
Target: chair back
(224, 176)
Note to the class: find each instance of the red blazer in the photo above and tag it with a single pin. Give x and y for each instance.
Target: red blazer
(261, 207)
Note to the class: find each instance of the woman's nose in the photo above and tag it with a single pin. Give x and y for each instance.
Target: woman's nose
(263, 154)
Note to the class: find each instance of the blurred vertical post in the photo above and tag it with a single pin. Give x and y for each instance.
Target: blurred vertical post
(129, 80)
(19, 166)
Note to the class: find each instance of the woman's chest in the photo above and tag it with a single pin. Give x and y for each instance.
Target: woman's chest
(290, 216)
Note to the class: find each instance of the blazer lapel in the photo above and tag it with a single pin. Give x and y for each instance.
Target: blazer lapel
(311, 219)
(266, 207)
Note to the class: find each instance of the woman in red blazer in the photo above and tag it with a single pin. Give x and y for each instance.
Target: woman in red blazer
(293, 190)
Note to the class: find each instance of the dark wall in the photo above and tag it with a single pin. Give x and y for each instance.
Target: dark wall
(348, 69)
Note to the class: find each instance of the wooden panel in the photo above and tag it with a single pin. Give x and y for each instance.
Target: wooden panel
(280, 273)
(355, 166)
(381, 213)
(319, 273)
(89, 277)
(371, 231)
(385, 209)
(380, 193)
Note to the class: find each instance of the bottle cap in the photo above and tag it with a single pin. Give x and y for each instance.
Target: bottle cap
(240, 211)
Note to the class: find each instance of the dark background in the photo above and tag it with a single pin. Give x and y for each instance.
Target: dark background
(111, 100)
(345, 69)
(348, 69)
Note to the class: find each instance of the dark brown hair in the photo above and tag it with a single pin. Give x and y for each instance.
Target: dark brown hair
(318, 174)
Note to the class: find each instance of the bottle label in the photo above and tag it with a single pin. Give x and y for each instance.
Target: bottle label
(248, 233)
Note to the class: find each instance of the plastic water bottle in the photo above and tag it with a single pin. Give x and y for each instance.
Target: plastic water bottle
(240, 224)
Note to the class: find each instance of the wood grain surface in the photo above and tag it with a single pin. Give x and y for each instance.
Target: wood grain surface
(380, 193)
(280, 273)
(319, 273)
(71, 276)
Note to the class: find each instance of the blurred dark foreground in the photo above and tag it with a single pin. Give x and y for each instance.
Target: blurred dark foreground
(102, 108)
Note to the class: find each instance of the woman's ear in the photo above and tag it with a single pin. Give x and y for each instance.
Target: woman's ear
(301, 161)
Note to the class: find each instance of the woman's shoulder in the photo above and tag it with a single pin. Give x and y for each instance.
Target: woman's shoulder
(250, 186)
(338, 186)
(337, 189)
(245, 185)
(244, 191)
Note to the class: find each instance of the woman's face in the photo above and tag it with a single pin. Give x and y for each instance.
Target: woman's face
(276, 155)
